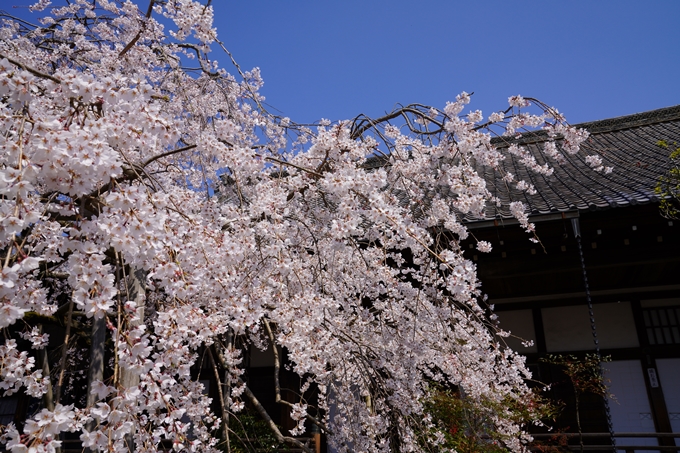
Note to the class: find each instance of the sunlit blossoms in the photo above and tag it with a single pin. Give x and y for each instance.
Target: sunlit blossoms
(151, 202)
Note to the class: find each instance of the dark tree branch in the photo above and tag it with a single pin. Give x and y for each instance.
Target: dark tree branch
(166, 154)
(277, 385)
(263, 412)
(35, 72)
(281, 162)
(64, 353)
(139, 33)
(223, 401)
(362, 123)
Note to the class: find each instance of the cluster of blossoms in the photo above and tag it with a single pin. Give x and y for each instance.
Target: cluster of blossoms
(16, 371)
(43, 430)
(38, 340)
(169, 208)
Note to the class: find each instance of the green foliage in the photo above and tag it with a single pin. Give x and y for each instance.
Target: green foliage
(469, 426)
(585, 374)
(586, 377)
(249, 434)
(668, 187)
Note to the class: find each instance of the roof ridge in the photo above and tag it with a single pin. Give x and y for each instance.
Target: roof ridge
(629, 121)
(657, 116)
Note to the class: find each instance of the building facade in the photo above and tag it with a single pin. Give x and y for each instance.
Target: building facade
(607, 268)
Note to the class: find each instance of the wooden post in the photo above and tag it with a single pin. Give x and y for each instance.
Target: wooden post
(316, 434)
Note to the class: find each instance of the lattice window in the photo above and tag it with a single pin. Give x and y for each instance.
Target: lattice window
(662, 325)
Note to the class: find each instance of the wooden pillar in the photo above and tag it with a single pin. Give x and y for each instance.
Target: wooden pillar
(539, 331)
(657, 402)
(316, 435)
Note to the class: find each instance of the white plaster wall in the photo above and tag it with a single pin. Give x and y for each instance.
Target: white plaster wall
(568, 328)
(631, 411)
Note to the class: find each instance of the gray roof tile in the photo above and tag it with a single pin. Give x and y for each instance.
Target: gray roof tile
(629, 144)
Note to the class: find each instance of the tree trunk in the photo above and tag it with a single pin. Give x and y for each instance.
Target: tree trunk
(48, 398)
(136, 291)
(96, 371)
(64, 354)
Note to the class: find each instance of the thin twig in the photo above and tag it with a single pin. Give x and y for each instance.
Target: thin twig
(282, 162)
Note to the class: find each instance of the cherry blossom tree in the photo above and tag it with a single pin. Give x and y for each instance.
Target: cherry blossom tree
(149, 199)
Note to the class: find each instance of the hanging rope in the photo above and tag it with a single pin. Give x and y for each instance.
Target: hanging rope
(577, 234)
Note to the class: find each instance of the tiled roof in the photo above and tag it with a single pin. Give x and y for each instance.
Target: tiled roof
(628, 143)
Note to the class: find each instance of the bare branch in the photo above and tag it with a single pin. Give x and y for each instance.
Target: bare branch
(35, 72)
(270, 423)
(199, 58)
(277, 385)
(166, 154)
(362, 123)
(225, 414)
(306, 170)
(263, 412)
(139, 33)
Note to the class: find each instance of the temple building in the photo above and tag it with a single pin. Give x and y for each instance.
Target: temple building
(607, 268)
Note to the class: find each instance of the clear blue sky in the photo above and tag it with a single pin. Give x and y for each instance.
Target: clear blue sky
(591, 59)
